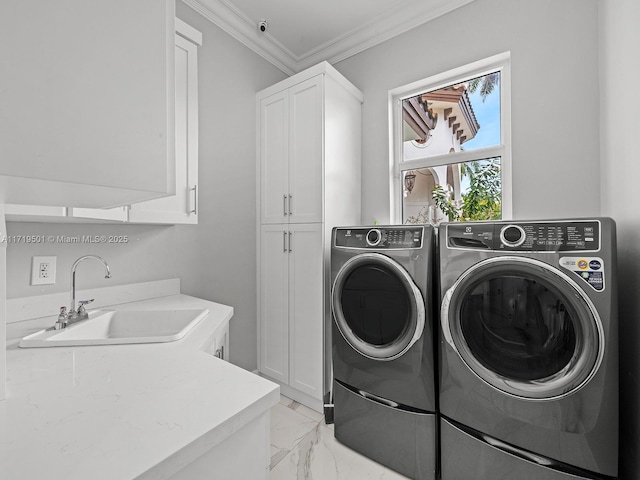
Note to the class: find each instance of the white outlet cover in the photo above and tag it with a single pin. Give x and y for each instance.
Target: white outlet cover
(47, 264)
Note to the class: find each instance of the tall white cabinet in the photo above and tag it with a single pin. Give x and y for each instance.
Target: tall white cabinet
(309, 158)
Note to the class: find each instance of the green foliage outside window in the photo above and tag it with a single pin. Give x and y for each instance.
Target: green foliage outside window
(483, 199)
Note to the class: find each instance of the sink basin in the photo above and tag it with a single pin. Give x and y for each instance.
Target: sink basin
(109, 327)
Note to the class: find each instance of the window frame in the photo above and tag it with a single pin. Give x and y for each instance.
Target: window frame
(497, 63)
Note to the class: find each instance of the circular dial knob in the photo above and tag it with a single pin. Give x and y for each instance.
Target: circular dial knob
(373, 237)
(512, 236)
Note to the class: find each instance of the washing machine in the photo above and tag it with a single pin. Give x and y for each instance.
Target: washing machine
(528, 350)
(383, 348)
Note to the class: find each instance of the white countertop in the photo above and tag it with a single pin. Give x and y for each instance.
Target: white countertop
(120, 412)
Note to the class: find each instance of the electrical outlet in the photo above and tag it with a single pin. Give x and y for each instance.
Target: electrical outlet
(43, 270)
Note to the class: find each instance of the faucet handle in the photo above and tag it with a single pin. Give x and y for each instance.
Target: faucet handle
(63, 319)
(82, 303)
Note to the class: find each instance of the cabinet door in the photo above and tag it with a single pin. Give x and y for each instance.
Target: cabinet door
(89, 96)
(179, 208)
(221, 343)
(218, 345)
(273, 302)
(183, 206)
(306, 309)
(306, 151)
(274, 158)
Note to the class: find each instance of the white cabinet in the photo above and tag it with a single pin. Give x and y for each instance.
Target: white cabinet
(178, 208)
(291, 154)
(309, 142)
(218, 344)
(183, 206)
(291, 310)
(89, 96)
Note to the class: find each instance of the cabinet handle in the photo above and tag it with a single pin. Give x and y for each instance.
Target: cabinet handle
(194, 189)
(290, 204)
(220, 353)
(284, 242)
(290, 249)
(284, 205)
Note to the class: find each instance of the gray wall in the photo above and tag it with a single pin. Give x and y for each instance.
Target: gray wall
(216, 258)
(620, 71)
(554, 96)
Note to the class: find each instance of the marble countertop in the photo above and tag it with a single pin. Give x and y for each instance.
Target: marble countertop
(122, 411)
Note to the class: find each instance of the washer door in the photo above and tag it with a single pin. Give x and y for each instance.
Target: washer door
(523, 327)
(377, 306)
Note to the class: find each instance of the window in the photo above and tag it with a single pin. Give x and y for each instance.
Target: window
(450, 138)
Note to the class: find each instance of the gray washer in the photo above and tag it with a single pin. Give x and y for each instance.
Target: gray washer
(383, 345)
(529, 352)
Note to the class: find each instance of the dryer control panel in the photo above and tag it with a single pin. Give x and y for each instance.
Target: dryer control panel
(561, 236)
(393, 237)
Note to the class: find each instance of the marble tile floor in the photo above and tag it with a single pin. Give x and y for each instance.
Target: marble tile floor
(304, 448)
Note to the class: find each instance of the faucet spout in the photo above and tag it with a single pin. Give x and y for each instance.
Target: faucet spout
(72, 307)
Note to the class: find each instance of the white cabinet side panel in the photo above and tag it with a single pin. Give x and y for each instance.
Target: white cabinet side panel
(343, 152)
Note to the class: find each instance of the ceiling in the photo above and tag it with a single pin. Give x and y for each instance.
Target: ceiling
(301, 33)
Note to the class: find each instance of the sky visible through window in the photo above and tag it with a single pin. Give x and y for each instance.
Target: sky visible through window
(488, 116)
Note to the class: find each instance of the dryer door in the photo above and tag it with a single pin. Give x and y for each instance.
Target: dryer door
(377, 306)
(523, 327)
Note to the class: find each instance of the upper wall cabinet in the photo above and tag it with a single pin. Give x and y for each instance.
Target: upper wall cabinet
(182, 207)
(87, 95)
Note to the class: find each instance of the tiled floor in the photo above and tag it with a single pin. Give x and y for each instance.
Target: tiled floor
(304, 448)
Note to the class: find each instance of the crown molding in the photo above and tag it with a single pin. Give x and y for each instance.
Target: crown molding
(376, 31)
(242, 29)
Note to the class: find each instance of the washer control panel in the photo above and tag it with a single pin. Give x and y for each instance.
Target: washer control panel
(392, 237)
(560, 236)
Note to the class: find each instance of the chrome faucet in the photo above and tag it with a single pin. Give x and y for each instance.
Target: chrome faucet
(80, 314)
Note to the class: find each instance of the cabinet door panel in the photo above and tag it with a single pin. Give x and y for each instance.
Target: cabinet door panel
(274, 153)
(89, 96)
(181, 207)
(274, 314)
(306, 309)
(306, 151)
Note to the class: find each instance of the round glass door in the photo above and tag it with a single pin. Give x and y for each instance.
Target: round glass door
(523, 327)
(377, 307)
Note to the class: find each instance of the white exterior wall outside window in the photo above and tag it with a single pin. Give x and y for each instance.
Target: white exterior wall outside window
(439, 160)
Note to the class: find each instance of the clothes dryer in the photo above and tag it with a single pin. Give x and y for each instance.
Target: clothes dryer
(529, 352)
(383, 345)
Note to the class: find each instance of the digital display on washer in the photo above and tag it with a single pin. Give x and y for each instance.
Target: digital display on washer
(562, 236)
(549, 236)
(379, 237)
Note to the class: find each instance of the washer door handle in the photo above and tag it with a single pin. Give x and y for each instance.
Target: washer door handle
(444, 318)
